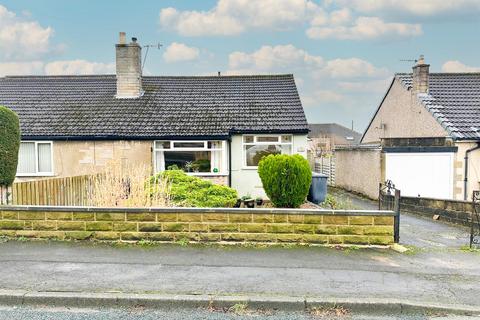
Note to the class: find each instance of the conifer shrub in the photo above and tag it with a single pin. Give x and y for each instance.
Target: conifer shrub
(9, 145)
(286, 179)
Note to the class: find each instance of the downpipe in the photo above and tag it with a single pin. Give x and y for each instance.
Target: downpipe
(465, 180)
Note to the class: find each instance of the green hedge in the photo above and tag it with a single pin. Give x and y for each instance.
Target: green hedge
(9, 145)
(190, 191)
(286, 179)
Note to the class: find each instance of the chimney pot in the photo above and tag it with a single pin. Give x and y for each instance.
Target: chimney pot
(134, 39)
(122, 38)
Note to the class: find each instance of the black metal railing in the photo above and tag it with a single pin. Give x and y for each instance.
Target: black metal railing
(475, 220)
(389, 199)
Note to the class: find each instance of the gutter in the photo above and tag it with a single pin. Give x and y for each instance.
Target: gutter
(465, 180)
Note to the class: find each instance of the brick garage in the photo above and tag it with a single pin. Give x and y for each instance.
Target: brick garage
(199, 225)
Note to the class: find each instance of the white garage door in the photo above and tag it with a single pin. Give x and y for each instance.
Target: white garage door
(421, 174)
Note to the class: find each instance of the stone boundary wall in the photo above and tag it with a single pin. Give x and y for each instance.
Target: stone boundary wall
(355, 227)
(454, 211)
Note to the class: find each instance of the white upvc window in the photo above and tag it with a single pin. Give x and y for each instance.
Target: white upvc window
(255, 147)
(35, 158)
(195, 157)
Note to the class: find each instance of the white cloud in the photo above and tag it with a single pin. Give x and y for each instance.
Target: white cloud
(21, 68)
(278, 57)
(230, 17)
(65, 67)
(457, 66)
(350, 68)
(78, 67)
(365, 28)
(21, 39)
(421, 8)
(180, 52)
(373, 86)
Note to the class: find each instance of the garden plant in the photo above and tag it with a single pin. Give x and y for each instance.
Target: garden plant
(286, 179)
(190, 191)
(9, 145)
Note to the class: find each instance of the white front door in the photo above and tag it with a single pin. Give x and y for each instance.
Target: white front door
(423, 174)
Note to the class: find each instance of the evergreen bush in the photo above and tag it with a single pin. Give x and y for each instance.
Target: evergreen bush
(190, 191)
(286, 179)
(9, 145)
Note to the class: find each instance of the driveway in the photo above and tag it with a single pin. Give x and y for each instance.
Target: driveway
(416, 230)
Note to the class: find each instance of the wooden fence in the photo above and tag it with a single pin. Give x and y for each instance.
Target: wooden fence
(326, 166)
(68, 191)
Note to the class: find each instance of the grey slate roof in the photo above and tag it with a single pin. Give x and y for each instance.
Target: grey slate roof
(81, 107)
(454, 100)
(318, 129)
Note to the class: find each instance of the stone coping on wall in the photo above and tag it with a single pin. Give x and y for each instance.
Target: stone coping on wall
(201, 210)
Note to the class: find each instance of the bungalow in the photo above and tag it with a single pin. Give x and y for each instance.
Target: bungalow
(216, 127)
(424, 136)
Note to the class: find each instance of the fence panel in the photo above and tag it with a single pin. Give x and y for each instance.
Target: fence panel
(326, 166)
(68, 191)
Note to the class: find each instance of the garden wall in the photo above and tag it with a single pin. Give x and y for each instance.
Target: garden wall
(454, 211)
(359, 169)
(199, 224)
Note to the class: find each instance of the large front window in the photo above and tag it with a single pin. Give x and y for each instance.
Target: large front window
(257, 147)
(35, 158)
(196, 157)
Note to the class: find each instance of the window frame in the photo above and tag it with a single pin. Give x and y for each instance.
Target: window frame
(38, 173)
(256, 143)
(222, 149)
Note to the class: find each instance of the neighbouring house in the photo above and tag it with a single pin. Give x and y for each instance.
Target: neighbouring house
(424, 136)
(217, 127)
(323, 137)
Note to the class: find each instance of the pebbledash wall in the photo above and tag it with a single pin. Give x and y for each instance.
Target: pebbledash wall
(235, 225)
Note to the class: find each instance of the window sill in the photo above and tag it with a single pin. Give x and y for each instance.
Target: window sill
(26, 175)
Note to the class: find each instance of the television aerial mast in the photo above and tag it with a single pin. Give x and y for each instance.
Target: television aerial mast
(148, 46)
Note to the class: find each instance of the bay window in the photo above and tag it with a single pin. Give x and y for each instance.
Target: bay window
(196, 157)
(35, 158)
(255, 147)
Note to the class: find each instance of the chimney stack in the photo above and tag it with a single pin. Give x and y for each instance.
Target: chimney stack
(129, 68)
(420, 76)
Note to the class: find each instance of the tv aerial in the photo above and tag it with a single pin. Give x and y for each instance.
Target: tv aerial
(148, 46)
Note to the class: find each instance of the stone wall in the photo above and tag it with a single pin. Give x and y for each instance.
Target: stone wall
(454, 211)
(199, 225)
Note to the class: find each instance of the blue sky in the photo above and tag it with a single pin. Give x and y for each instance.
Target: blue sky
(342, 52)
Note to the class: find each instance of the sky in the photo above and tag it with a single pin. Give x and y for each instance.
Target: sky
(343, 53)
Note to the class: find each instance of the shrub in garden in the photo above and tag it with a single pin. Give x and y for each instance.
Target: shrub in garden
(9, 145)
(286, 179)
(189, 191)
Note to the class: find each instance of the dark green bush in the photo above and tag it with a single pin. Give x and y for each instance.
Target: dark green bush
(189, 191)
(286, 179)
(9, 145)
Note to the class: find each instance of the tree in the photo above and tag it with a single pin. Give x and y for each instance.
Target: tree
(9, 145)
